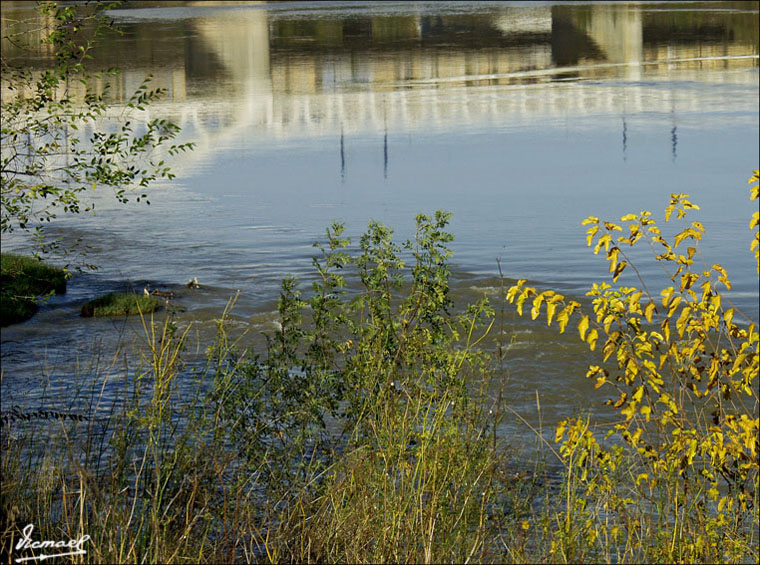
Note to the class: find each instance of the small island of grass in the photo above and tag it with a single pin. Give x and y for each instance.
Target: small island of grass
(23, 280)
(120, 304)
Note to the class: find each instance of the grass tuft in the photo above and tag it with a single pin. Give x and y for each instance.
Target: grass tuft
(120, 304)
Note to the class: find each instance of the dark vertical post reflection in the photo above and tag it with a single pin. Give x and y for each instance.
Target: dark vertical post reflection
(674, 139)
(673, 134)
(385, 154)
(342, 158)
(625, 139)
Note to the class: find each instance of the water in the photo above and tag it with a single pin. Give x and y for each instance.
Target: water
(520, 118)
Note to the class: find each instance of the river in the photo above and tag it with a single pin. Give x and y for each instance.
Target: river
(519, 118)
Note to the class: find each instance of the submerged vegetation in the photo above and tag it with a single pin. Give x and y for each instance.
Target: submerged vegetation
(120, 304)
(369, 428)
(22, 281)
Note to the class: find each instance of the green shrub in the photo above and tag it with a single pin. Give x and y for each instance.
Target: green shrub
(412, 468)
(120, 304)
(23, 280)
(409, 469)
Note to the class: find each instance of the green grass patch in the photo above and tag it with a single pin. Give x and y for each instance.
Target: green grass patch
(23, 280)
(120, 304)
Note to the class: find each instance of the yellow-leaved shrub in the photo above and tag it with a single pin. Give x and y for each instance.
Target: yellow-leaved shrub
(677, 478)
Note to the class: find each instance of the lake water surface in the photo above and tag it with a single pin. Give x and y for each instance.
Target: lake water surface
(519, 118)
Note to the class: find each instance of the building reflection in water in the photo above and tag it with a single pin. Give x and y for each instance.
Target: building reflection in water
(271, 72)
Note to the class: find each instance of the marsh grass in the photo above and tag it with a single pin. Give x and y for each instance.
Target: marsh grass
(120, 304)
(23, 281)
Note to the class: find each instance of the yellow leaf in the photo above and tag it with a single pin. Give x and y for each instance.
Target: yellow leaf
(604, 240)
(590, 220)
(619, 270)
(523, 297)
(631, 368)
(688, 279)
(718, 268)
(728, 316)
(682, 320)
(590, 233)
(633, 301)
(562, 318)
(628, 218)
(534, 312)
(513, 290)
(609, 348)
(612, 256)
(560, 430)
(608, 322)
(582, 327)
(550, 309)
(648, 311)
(656, 335)
(674, 305)
(681, 236)
(593, 335)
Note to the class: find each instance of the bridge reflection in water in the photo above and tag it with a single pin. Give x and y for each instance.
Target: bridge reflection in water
(267, 74)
